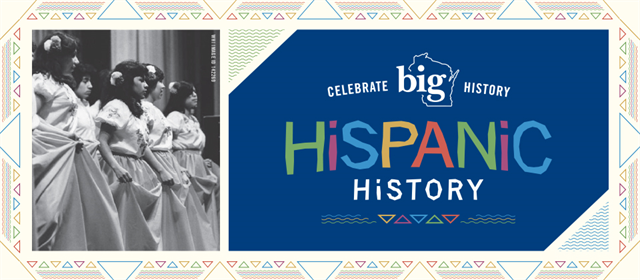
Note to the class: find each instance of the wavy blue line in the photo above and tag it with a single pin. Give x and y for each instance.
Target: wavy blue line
(341, 216)
(497, 215)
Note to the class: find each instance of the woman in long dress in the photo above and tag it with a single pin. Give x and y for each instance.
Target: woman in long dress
(86, 128)
(73, 208)
(188, 143)
(193, 233)
(136, 177)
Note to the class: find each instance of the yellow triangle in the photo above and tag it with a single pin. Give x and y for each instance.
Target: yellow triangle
(455, 263)
(184, 16)
(584, 263)
(255, 263)
(423, 267)
(16, 105)
(548, 265)
(622, 218)
(348, 265)
(425, 11)
(623, 105)
(16, 175)
(220, 17)
(491, 265)
(255, 16)
(149, 265)
(291, 265)
(149, 15)
(91, 15)
(584, 17)
(455, 16)
(384, 263)
(55, 263)
(490, 15)
(291, 15)
(91, 265)
(621, 62)
(17, 62)
(384, 16)
(17, 218)
(623, 175)
(382, 216)
(56, 17)
(348, 15)
(548, 15)
(184, 263)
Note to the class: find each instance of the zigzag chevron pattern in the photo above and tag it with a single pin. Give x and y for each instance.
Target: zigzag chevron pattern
(172, 274)
(70, 6)
(369, 274)
(6, 200)
(470, 274)
(569, 274)
(245, 45)
(272, 274)
(569, 6)
(369, 6)
(270, 6)
(169, 6)
(464, 6)
(6, 80)
(593, 235)
(633, 80)
(633, 200)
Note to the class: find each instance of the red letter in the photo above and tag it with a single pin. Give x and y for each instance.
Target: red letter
(441, 149)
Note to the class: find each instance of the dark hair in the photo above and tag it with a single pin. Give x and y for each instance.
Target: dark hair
(50, 62)
(99, 85)
(180, 91)
(124, 90)
(81, 71)
(153, 78)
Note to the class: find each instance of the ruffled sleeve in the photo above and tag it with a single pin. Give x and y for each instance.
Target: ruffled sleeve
(115, 113)
(44, 86)
(176, 121)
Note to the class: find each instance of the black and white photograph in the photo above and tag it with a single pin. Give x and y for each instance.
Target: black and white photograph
(126, 140)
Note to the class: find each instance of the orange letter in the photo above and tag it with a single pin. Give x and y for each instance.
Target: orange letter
(441, 149)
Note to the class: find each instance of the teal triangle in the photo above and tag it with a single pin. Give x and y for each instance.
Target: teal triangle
(519, 269)
(319, 270)
(16, 76)
(172, 15)
(623, 76)
(267, 15)
(267, 265)
(623, 203)
(67, 265)
(519, 10)
(119, 269)
(466, 15)
(572, 15)
(67, 15)
(16, 203)
(13, 150)
(467, 265)
(572, 265)
(415, 217)
(172, 265)
(119, 10)
(372, 15)
(320, 10)
(372, 265)
(628, 145)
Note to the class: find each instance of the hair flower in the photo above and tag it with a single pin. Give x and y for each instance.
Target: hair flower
(152, 72)
(172, 88)
(116, 78)
(53, 43)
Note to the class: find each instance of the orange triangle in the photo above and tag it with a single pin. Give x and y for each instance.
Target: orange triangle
(148, 15)
(384, 17)
(255, 263)
(55, 263)
(207, 17)
(621, 62)
(32, 263)
(584, 17)
(291, 265)
(382, 216)
(17, 62)
(232, 263)
(149, 265)
(407, 17)
(184, 263)
(17, 218)
(291, 15)
(548, 265)
(56, 17)
(91, 15)
(455, 17)
(232, 17)
(607, 17)
(455, 263)
(584, 263)
(621, 218)
(407, 263)
(91, 265)
(348, 15)
(432, 17)
(455, 216)
(255, 16)
(432, 263)
(207, 263)
(548, 15)
(184, 16)
(490, 15)
(490, 265)
(384, 263)
(32, 17)
(16, 105)
(623, 105)
(348, 265)
(16, 175)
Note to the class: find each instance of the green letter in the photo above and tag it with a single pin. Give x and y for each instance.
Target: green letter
(318, 145)
(489, 157)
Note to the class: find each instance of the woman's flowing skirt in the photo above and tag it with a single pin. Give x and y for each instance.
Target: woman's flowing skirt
(138, 202)
(73, 207)
(205, 187)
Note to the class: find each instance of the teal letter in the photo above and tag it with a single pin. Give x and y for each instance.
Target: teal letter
(346, 136)
(516, 146)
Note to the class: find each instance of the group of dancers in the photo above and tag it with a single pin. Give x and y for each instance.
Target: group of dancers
(119, 174)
